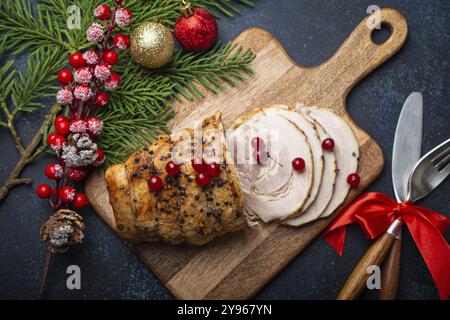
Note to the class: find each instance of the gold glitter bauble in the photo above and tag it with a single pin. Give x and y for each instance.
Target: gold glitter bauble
(152, 45)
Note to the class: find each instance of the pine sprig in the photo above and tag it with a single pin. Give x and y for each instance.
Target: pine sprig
(22, 30)
(123, 134)
(37, 81)
(140, 109)
(223, 64)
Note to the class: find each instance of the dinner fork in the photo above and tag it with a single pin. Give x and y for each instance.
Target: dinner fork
(426, 175)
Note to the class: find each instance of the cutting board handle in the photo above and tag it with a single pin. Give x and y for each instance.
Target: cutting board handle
(359, 54)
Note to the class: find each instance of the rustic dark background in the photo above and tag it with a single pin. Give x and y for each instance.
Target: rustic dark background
(310, 31)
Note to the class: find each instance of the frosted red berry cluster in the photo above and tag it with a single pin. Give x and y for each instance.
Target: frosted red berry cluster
(86, 85)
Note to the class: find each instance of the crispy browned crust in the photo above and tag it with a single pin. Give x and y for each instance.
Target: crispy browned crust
(225, 200)
(120, 200)
(139, 167)
(182, 211)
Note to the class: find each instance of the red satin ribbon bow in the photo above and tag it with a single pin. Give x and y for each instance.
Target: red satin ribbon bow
(375, 211)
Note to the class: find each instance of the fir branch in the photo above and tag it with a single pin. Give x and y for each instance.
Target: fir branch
(222, 64)
(23, 31)
(123, 134)
(140, 109)
(36, 82)
(167, 11)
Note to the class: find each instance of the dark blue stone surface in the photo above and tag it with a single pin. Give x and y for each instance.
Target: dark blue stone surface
(310, 31)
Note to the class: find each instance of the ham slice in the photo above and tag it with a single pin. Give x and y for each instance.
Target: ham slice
(326, 185)
(272, 190)
(346, 150)
(308, 127)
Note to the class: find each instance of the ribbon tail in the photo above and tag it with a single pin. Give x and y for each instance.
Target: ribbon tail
(336, 239)
(434, 250)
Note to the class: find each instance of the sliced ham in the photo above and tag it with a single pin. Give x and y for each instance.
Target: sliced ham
(308, 127)
(346, 150)
(326, 185)
(272, 190)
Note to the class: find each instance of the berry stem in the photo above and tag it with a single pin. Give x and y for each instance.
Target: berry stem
(110, 27)
(13, 179)
(48, 261)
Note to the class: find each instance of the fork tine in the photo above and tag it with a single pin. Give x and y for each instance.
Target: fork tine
(444, 173)
(435, 154)
(442, 153)
(443, 163)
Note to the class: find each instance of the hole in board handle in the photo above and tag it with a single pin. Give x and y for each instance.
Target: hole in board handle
(380, 36)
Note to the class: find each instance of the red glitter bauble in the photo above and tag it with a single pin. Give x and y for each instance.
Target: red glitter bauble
(196, 30)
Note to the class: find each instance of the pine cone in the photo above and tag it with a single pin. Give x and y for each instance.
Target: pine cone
(79, 150)
(63, 229)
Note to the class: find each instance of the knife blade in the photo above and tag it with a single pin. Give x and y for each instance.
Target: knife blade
(407, 144)
(405, 153)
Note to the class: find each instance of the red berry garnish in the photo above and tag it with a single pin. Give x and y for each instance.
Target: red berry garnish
(203, 179)
(102, 12)
(43, 191)
(51, 138)
(100, 156)
(80, 201)
(78, 174)
(67, 194)
(172, 169)
(353, 180)
(121, 41)
(54, 171)
(213, 170)
(298, 164)
(257, 143)
(62, 127)
(199, 165)
(155, 183)
(65, 76)
(55, 141)
(111, 57)
(260, 156)
(76, 60)
(60, 118)
(328, 144)
(101, 99)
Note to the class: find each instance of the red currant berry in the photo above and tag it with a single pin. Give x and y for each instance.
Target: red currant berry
(51, 138)
(43, 191)
(76, 60)
(155, 183)
(54, 171)
(111, 57)
(203, 179)
(198, 165)
(328, 144)
(121, 41)
(257, 143)
(213, 170)
(63, 127)
(55, 141)
(101, 99)
(102, 12)
(172, 169)
(65, 76)
(67, 194)
(100, 156)
(298, 164)
(80, 201)
(78, 174)
(60, 118)
(353, 180)
(260, 156)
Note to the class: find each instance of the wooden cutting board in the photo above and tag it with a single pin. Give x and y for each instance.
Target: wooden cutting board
(238, 265)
